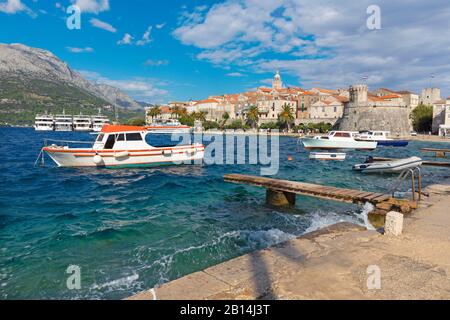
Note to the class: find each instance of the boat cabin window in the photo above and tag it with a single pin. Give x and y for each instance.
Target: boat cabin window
(100, 137)
(110, 142)
(134, 137)
(342, 134)
(121, 137)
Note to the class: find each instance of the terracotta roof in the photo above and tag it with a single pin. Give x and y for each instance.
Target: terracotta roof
(342, 98)
(207, 101)
(391, 96)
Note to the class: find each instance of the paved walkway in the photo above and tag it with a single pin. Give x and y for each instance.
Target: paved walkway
(333, 263)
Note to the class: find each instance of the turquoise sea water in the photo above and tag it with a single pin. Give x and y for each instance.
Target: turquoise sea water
(131, 229)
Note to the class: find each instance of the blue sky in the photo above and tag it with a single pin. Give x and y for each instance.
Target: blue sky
(158, 51)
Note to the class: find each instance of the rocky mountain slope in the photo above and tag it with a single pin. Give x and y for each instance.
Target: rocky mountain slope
(24, 64)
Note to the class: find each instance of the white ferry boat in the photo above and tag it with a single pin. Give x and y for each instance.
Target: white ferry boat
(82, 123)
(44, 122)
(63, 122)
(119, 146)
(337, 140)
(99, 121)
(168, 126)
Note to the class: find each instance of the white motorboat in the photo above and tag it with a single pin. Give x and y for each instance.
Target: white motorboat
(382, 137)
(168, 126)
(388, 166)
(44, 122)
(337, 140)
(120, 146)
(327, 156)
(82, 123)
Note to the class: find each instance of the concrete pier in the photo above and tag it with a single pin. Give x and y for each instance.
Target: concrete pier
(337, 262)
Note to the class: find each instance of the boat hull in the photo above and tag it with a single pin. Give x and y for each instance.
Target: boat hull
(391, 166)
(393, 143)
(125, 158)
(325, 144)
(329, 156)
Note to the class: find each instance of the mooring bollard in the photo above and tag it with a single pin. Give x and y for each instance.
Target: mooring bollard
(394, 223)
(279, 198)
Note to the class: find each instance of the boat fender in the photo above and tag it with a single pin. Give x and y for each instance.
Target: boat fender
(122, 154)
(167, 152)
(98, 159)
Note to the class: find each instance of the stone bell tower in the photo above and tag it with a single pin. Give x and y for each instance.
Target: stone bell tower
(277, 83)
(358, 94)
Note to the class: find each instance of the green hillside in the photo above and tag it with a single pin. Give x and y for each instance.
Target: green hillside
(21, 100)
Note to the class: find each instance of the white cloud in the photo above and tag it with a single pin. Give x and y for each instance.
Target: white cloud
(92, 6)
(127, 39)
(235, 74)
(142, 89)
(326, 43)
(102, 25)
(160, 26)
(80, 50)
(15, 6)
(156, 63)
(146, 37)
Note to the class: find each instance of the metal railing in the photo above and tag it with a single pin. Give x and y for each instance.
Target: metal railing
(403, 176)
(65, 142)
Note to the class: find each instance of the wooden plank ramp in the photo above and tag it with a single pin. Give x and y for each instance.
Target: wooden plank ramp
(424, 163)
(438, 152)
(308, 189)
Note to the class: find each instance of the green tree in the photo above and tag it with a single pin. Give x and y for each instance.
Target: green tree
(154, 112)
(136, 122)
(286, 116)
(225, 118)
(253, 116)
(200, 115)
(422, 118)
(178, 112)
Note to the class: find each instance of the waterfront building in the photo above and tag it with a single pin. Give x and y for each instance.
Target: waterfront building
(441, 117)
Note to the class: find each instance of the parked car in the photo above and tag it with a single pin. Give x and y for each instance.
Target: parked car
(413, 133)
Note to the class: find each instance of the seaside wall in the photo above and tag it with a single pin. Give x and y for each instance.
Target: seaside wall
(393, 119)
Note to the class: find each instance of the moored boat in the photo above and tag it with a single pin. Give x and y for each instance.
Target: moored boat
(63, 122)
(388, 166)
(327, 156)
(44, 122)
(99, 121)
(337, 140)
(168, 126)
(82, 123)
(123, 146)
(382, 137)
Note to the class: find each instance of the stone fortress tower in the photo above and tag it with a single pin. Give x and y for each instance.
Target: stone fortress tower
(277, 83)
(366, 112)
(430, 96)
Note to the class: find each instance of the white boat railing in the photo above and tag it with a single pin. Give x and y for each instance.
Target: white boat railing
(65, 142)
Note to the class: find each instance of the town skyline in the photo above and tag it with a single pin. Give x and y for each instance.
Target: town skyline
(161, 52)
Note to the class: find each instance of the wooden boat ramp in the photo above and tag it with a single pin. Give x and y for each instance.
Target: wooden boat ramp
(439, 153)
(283, 192)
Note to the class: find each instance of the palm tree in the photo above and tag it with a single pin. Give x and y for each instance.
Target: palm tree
(253, 116)
(286, 116)
(225, 118)
(154, 112)
(178, 111)
(201, 115)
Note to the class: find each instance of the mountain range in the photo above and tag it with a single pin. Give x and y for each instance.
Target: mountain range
(33, 80)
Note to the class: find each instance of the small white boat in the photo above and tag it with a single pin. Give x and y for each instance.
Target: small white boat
(327, 156)
(122, 147)
(337, 140)
(388, 166)
(382, 137)
(168, 126)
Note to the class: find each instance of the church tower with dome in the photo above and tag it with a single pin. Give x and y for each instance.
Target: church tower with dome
(277, 83)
